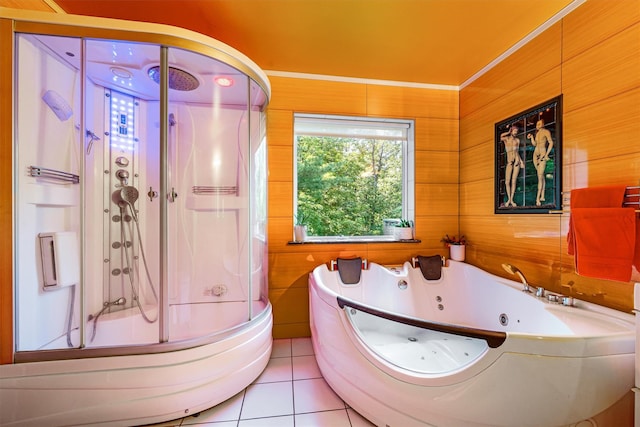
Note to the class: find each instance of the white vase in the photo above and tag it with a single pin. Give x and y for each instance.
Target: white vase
(403, 233)
(457, 252)
(299, 233)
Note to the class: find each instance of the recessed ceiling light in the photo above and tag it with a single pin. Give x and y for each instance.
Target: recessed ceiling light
(224, 81)
(121, 72)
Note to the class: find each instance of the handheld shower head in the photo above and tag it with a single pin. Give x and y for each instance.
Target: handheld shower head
(509, 268)
(129, 194)
(512, 269)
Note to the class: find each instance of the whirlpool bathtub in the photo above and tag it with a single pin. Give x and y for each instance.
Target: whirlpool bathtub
(465, 349)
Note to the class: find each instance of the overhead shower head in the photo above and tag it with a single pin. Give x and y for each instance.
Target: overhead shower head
(178, 79)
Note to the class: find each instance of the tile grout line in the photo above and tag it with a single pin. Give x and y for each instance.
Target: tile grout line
(244, 395)
(293, 394)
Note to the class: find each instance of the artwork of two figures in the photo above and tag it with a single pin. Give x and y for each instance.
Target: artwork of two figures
(529, 160)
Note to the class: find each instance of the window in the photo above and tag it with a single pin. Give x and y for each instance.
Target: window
(353, 177)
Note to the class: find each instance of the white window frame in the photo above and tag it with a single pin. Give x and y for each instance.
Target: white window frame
(408, 166)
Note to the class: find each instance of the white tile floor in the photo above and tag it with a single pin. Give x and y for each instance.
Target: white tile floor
(290, 393)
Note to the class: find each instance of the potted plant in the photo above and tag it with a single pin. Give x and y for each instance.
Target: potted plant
(457, 246)
(403, 230)
(299, 228)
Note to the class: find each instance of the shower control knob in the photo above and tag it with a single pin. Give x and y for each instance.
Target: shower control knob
(122, 161)
(123, 176)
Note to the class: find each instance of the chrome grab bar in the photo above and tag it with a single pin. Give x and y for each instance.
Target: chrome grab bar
(214, 190)
(40, 172)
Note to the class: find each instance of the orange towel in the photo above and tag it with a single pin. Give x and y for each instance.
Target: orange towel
(605, 241)
(598, 197)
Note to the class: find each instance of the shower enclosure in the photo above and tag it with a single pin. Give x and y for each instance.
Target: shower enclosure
(139, 212)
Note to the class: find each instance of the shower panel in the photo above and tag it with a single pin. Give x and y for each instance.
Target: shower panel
(127, 275)
(121, 249)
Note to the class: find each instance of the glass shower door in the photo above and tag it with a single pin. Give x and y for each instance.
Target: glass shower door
(87, 253)
(122, 291)
(259, 185)
(208, 214)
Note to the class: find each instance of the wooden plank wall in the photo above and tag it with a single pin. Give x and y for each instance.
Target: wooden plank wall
(6, 192)
(436, 123)
(592, 57)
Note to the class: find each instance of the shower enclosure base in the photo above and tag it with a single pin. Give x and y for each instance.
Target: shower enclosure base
(135, 389)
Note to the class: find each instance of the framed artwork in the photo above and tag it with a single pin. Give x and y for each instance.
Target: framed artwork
(528, 160)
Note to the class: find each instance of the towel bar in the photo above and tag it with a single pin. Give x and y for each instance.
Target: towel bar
(53, 174)
(214, 190)
(568, 211)
(629, 194)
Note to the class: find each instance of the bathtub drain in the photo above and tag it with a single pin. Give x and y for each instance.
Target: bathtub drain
(412, 339)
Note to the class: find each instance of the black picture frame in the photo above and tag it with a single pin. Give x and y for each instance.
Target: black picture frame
(537, 170)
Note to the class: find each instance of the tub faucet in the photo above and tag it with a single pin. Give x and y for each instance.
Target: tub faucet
(511, 269)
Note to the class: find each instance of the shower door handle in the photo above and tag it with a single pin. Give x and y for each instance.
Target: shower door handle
(152, 194)
(172, 195)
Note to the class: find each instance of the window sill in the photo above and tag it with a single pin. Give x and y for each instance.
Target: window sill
(350, 240)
